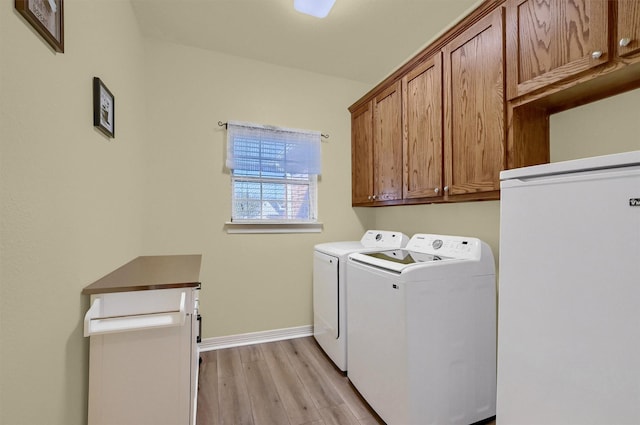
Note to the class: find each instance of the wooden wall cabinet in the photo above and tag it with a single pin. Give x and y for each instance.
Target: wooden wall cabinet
(474, 105)
(397, 150)
(387, 144)
(362, 154)
(376, 149)
(422, 141)
(478, 99)
(551, 40)
(438, 133)
(628, 36)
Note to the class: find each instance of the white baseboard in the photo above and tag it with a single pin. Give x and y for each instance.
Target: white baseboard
(220, 342)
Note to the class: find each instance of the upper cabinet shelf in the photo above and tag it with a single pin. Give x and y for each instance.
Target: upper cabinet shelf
(562, 53)
(548, 41)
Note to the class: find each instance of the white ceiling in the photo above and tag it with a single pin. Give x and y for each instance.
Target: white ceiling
(361, 40)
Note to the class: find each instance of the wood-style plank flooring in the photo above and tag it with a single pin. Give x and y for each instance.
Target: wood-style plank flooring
(288, 382)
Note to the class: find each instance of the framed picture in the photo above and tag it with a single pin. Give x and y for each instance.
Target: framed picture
(103, 108)
(47, 18)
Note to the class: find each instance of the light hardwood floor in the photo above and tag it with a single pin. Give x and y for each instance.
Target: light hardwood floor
(288, 382)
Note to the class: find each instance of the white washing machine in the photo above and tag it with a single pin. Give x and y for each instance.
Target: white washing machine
(422, 330)
(329, 288)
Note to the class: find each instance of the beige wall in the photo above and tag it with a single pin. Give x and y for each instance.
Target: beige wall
(478, 219)
(70, 200)
(250, 282)
(608, 126)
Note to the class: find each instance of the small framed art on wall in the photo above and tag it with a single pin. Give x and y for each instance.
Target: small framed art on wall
(103, 108)
(47, 18)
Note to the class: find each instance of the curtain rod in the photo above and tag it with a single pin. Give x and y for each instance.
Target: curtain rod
(224, 124)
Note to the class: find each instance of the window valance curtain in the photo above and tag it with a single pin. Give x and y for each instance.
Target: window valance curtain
(253, 147)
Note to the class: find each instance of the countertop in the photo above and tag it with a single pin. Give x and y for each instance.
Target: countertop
(150, 272)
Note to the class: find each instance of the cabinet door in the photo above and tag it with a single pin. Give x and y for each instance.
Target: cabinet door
(422, 138)
(551, 40)
(628, 41)
(387, 144)
(362, 155)
(475, 108)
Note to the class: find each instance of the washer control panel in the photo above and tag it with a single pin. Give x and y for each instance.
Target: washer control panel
(383, 239)
(445, 246)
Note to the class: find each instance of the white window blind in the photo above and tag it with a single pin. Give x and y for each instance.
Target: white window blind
(273, 173)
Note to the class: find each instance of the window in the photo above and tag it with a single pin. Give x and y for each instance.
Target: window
(273, 173)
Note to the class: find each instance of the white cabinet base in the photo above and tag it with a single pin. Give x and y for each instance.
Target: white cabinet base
(144, 377)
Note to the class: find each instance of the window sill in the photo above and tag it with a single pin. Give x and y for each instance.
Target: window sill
(273, 227)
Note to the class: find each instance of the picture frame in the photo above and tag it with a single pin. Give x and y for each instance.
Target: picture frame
(103, 108)
(47, 18)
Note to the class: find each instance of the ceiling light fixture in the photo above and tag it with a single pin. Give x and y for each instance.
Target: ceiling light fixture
(317, 8)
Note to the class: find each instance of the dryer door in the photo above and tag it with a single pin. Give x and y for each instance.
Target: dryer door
(325, 296)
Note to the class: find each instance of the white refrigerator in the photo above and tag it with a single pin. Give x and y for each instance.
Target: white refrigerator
(569, 293)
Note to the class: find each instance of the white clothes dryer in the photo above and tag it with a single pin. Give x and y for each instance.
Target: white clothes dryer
(329, 288)
(422, 330)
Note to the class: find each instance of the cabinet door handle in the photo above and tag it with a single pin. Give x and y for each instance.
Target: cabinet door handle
(436, 190)
(597, 54)
(624, 42)
(446, 188)
(369, 197)
(374, 197)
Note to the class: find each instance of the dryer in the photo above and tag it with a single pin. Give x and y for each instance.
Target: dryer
(422, 330)
(329, 288)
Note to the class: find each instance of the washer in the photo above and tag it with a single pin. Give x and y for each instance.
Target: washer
(422, 330)
(329, 288)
